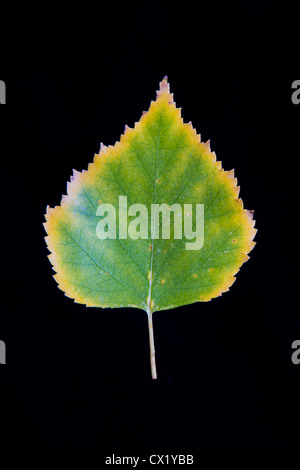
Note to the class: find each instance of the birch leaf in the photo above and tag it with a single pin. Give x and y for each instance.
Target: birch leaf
(160, 161)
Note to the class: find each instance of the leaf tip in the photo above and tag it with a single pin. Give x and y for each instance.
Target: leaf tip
(164, 89)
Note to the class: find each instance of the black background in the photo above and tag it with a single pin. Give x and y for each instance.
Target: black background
(79, 378)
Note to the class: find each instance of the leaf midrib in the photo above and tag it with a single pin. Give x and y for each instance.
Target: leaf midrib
(153, 231)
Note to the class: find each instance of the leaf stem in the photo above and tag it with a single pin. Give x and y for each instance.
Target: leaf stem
(151, 342)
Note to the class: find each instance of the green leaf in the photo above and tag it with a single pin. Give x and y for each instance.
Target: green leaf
(161, 161)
